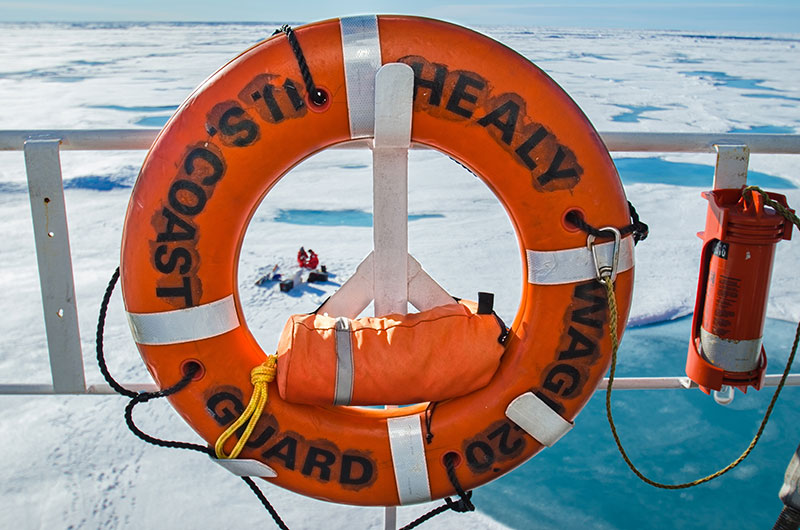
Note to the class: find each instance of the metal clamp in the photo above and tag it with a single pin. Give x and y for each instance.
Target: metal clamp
(606, 270)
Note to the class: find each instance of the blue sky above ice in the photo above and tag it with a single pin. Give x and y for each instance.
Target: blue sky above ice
(766, 16)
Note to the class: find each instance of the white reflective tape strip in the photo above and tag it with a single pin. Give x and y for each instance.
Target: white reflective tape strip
(554, 267)
(343, 392)
(408, 457)
(245, 467)
(536, 418)
(185, 325)
(361, 47)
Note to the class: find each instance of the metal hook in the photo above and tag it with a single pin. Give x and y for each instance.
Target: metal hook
(606, 270)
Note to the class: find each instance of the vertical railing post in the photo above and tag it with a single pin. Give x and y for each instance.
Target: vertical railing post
(730, 173)
(50, 234)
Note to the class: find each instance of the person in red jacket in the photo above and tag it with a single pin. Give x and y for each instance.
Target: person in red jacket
(313, 260)
(302, 258)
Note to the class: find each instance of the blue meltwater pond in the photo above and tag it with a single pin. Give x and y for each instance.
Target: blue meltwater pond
(673, 436)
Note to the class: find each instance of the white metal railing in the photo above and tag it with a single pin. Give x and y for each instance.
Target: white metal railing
(141, 139)
(42, 147)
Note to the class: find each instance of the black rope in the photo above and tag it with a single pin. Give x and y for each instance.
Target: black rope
(429, 410)
(639, 229)
(318, 97)
(144, 397)
(463, 505)
(101, 324)
(264, 502)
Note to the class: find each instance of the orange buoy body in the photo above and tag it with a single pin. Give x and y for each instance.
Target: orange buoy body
(736, 266)
(475, 100)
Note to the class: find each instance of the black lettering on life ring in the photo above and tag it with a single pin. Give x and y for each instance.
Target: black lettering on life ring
(185, 231)
(174, 252)
(178, 254)
(504, 443)
(468, 96)
(480, 456)
(320, 460)
(598, 303)
(186, 197)
(236, 126)
(523, 151)
(211, 158)
(467, 89)
(226, 406)
(503, 119)
(432, 87)
(294, 95)
(273, 98)
(567, 375)
(284, 450)
(183, 291)
(356, 470)
(499, 442)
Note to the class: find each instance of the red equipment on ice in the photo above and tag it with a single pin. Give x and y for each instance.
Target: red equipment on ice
(735, 269)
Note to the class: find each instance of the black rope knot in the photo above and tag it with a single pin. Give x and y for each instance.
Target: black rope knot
(639, 229)
(317, 96)
(463, 505)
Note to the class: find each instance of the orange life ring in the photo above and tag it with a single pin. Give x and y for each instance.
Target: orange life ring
(475, 100)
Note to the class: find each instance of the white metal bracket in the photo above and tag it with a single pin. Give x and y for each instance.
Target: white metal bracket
(731, 170)
(246, 467)
(389, 275)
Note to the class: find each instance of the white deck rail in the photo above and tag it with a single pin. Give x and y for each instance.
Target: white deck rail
(46, 191)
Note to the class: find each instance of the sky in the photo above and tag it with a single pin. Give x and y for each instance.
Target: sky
(765, 16)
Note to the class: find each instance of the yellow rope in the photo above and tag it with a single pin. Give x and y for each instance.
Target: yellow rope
(612, 308)
(260, 377)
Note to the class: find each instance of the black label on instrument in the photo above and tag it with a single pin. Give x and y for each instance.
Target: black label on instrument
(720, 249)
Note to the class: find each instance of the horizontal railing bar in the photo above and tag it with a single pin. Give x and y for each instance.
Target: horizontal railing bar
(665, 383)
(139, 139)
(700, 142)
(98, 389)
(620, 383)
(83, 139)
